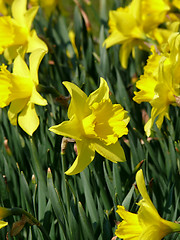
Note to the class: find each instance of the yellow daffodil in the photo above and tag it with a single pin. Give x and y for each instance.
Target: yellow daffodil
(16, 33)
(146, 224)
(19, 89)
(95, 123)
(131, 25)
(160, 84)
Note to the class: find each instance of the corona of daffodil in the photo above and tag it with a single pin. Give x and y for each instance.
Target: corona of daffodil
(95, 123)
(15, 32)
(146, 224)
(160, 84)
(19, 90)
(131, 26)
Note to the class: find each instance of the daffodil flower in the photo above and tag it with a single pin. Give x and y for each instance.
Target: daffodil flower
(131, 26)
(160, 83)
(146, 224)
(19, 90)
(95, 123)
(16, 33)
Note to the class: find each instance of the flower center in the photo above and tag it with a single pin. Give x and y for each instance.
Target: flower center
(107, 122)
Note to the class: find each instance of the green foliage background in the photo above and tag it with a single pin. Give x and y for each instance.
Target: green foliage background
(84, 206)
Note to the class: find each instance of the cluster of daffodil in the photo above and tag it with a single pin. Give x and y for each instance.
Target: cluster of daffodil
(139, 25)
(95, 123)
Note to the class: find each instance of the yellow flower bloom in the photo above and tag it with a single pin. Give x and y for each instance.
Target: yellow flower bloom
(160, 84)
(19, 89)
(131, 25)
(16, 33)
(146, 224)
(95, 123)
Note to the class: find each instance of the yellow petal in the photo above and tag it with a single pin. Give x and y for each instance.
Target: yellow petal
(142, 189)
(18, 10)
(34, 61)
(10, 53)
(152, 232)
(3, 224)
(113, 152)
(34, 42)
(85, 157)
(29, 16)
(101, 93)
(20, 68)
(124, 53)
(28, 119)
(114, 38)
(16, 107)
(36, 98)
(148, 126)
(6, 33)
(69, 128)
(78, 104)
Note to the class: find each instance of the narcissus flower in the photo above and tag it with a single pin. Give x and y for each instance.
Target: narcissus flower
(146, 224)
(16, 33)
(19, 90)
(131, 26)
(160, 84)
(95, 123)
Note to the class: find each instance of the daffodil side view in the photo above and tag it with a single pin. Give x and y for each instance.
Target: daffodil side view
(19, 90)
(146, 224)
(134, 25)
(95, 124)
(16, 34)
(160, 83)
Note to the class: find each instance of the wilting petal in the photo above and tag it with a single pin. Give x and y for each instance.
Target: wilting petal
(85, 157)
(28, 119)
(113, 152)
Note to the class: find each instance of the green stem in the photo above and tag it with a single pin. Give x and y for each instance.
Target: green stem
(20, 211)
